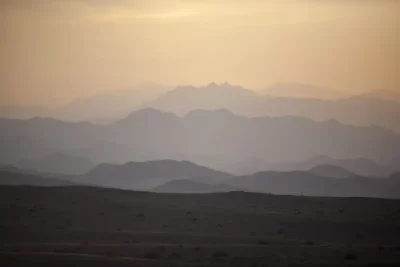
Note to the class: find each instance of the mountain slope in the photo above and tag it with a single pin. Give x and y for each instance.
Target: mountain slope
(184, 99)
(357, 110)
(147, 175)
(150, 135)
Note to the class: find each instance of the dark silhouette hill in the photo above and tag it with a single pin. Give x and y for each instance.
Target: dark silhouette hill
(147, 175)
(58, 163)
(331, 171)
(184, 177)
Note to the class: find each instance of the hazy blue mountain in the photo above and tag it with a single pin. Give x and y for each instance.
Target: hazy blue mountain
(58, 163)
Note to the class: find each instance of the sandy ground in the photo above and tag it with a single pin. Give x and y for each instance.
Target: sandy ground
(84, 226)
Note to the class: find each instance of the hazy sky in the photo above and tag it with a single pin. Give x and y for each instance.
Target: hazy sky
(54, 51)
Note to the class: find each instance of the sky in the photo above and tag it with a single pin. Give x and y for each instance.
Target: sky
(52, 52)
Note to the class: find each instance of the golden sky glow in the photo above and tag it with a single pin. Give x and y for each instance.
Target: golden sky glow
(55, 51)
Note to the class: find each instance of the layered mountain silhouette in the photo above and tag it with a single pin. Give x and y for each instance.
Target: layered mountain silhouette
(101, 108)
(147, 175)
(378, 107)
(170, 176)
(357, 110)
(184, 99)
(151, 135)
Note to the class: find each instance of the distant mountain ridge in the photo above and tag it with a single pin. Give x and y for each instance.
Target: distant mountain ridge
(150, 135)
(378, 107)
(357, 110)
(185, 177)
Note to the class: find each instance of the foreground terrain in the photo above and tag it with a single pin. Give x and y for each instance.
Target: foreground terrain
(88, 226)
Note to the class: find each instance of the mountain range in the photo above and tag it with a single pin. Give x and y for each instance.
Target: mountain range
(362, 110)
(377, 107)
(169, 176)
(215, 136)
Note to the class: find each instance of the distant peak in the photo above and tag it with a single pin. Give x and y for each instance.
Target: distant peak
(212, 84)
(148, 112)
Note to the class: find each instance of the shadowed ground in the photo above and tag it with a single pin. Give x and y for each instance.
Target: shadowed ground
(86, 226)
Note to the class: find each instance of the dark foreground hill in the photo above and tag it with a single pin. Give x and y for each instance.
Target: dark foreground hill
(84, 226)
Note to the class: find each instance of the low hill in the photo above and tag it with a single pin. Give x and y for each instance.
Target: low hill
(147, 175)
